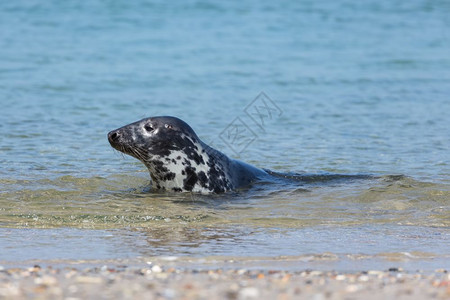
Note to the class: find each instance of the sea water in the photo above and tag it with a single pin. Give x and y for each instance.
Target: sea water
(340, 87)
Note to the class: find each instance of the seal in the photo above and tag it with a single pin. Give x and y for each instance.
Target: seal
(178, 160)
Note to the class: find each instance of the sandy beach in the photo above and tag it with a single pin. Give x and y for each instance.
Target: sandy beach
(167, 281)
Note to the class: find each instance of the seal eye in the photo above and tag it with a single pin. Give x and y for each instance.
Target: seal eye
(149, 127)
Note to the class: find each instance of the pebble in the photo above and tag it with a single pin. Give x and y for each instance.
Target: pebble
(375, 272)
(156, 269)
(34, 269)
(249, 293)
(395, 270)
(241, 271)
(352, 288)
(316, 273)
(340, 277)
(88, 279)
(46, 280)
(169, 258)
(363, 278)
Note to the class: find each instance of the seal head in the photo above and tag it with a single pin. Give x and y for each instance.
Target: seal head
(177, 159)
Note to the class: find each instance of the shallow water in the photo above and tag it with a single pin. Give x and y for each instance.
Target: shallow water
(352, 88)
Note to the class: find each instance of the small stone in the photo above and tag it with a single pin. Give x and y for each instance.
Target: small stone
(34, 269)
(45, 280)
(88, 279)
(363, 278)
(162, 275)
(156, 269)
(169, 258)
(375, 272)
(352, 288)
(395, 269)
(249, 293)
(340, 277)
(241, 271)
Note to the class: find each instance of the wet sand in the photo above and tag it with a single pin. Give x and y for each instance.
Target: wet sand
(173, 281)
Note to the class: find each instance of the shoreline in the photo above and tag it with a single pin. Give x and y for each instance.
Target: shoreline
(166, 279)
(347, 263)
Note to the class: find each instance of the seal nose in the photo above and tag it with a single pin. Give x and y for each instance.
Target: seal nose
(113, 136)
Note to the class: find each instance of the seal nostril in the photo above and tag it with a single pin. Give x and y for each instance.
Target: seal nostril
(113, 136)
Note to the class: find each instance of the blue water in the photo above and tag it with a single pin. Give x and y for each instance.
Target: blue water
(358, 87)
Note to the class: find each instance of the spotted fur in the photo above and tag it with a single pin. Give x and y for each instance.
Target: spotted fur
(178, 160)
